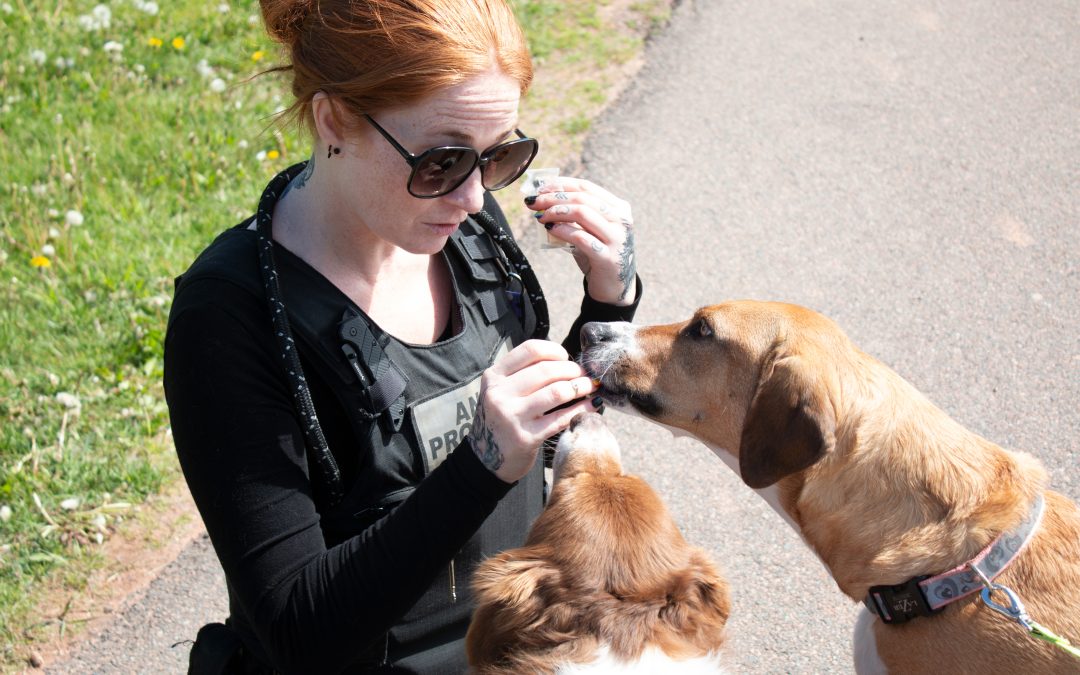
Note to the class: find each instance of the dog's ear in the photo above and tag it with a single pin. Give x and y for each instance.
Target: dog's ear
(698, 604)
(510, 591)
(789, 426)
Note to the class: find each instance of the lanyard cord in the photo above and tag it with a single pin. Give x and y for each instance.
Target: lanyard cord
(521, 267)
(313, 433)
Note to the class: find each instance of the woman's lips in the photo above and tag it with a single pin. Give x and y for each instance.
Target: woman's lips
(443, 229)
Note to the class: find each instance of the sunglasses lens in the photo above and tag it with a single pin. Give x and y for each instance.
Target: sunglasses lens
(441, 170)
(504, 163)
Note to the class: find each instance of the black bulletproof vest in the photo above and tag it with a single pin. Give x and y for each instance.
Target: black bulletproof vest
(382, 465)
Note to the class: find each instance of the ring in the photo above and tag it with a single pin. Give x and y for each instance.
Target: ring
(575, 386)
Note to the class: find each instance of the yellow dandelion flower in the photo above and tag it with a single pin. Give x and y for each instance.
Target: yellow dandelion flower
(178, 43)
(258, 56)
(273, 154)
(40, 261)
(155, 42)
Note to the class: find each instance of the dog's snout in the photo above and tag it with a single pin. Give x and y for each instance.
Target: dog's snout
(595, 332)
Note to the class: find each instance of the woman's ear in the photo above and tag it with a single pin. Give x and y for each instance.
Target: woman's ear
(328, 120)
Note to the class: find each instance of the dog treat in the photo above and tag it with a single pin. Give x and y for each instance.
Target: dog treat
(530, 187)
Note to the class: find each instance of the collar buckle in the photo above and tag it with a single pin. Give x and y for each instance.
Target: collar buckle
(900, 603)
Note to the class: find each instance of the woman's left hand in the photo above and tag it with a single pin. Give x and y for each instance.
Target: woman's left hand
(601, 228)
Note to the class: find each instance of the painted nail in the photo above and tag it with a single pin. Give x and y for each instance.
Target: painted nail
(538, 215)
(598, 402)
(548, 226)
(530, 200)
(595, 382)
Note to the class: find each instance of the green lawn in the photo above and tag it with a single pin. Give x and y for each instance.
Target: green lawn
(131, 134)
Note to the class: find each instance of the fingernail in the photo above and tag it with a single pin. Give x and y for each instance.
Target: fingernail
(595, 382)
(548, 226)
(598, 402)
(538, 215)
(530, 200)
(600, 410)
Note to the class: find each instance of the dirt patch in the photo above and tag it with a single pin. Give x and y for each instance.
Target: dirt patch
(160, 529)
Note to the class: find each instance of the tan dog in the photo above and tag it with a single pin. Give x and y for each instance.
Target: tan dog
(881, 484)
(605, 581)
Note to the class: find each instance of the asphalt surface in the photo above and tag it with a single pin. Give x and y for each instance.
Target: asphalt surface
(911, 170)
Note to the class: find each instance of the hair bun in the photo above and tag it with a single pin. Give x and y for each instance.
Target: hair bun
(284, 19)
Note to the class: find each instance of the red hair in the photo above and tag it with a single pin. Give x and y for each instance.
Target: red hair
(371, 55)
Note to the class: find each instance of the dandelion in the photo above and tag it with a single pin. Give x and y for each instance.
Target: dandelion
(68, 400)
(7, 9)
(218, 85)
(242, 144)
(68, 179)
(39, 189)
(273, 154)
(261, 155)
(41, 262)
(178, 43)
(150, 8)
(70, 504)
(113, 47)
(73, 218)
(204, 68)
(223, 8)
(48, 250)
(100, 17)
(38, 57)
(54, 232)
(5, 513)
(155, 42)
(258, 56)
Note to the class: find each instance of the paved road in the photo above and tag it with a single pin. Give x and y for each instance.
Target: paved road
(909, 169)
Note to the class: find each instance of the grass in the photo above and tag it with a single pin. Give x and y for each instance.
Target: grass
(128, 142)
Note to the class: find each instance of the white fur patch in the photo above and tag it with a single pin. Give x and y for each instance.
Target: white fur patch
(652, 662)
(867, 661)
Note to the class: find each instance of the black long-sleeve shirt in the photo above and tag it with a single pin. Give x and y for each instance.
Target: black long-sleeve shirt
(312, 607)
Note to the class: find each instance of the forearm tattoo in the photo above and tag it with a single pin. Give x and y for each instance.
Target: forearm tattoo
(627, 272)
(483, 441)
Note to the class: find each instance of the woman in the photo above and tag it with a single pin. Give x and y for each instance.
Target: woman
(355, 402)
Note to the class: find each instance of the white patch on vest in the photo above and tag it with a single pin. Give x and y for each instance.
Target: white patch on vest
(652, 662)
(443, 421)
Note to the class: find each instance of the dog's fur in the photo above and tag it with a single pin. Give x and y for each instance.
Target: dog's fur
(605, 579)
(880, 483)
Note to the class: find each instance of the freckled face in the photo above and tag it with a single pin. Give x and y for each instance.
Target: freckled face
(478, 113)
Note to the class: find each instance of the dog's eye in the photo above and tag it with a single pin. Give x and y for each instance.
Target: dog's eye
(702, 329)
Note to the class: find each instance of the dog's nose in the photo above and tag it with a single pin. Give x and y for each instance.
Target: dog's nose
(587, 418)
(595, 332)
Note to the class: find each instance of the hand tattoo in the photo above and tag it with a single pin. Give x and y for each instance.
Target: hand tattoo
(483, 441)
(627, 272)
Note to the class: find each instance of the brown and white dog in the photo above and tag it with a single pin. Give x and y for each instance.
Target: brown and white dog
(605, 581)
(880, 483)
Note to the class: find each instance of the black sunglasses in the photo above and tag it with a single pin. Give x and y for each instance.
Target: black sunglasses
(443, 169)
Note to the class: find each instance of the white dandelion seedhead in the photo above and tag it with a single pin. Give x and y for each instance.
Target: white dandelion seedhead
(73, 218)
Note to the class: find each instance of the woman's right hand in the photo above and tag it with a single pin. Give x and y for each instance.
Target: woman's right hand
(518, 394)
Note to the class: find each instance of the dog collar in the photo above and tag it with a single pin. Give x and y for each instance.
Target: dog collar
(925, 595)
